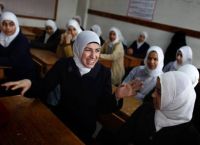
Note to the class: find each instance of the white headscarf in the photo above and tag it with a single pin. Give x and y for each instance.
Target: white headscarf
(80, 43)
(177, 100)
(145, 34)
(186, 56)
(74, 23)
(97, 29)
(51, 24)
(192, 72)
(6, 40)
(119, 36)
(159, 67)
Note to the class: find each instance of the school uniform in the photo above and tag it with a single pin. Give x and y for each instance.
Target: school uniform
(141, 51)
(85, 93)
(51, 44)
(146, 75)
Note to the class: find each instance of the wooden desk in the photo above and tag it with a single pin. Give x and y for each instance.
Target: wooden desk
(31, 123)
(2, 68)
(106, 63)
(44, 58)
(130, 61)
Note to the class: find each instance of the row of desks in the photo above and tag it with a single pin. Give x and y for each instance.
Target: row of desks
(31, 123)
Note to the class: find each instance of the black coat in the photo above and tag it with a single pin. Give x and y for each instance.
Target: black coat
(83, 98)
(141, 51)
(51, 43)
(17, 56)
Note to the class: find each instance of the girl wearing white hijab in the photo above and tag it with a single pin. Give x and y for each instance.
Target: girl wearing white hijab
(139, 47)
(113, 50)
(65, 48)
(167, 121)
(50, 39)
(97, 29)
(147, 74)
(85, 87)
(183, 56)
(14, 49)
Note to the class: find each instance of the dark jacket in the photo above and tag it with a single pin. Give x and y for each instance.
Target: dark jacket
(83, 98)
(17, 56)
(51, 43)
(141, 51)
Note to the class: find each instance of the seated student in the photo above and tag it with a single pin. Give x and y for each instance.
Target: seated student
(113, 50)
(178, 40)
(97, 29)
(85, 85)
(139, 47)
(14, 50)
(79, 20)
(147, 74)
(49, 39)
(193, 73)
(183, 56)
(167, 121)
(67, 39)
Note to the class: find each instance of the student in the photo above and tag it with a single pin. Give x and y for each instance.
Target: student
(14, 50)
(177, 41)
(113, 50)
(49, 40)
(65, 47)
(167, 122)
(139, 47)
(193, 73)
(97, 29)
(147, 74)
(85, 85)
(79, 20)
(183, 56)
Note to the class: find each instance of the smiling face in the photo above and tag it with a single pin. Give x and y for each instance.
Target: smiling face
(90, 55)
(157, 95)
(152, 60)
(8, 27)
(71, 30)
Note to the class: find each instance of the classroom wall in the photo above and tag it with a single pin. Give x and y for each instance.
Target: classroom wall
(130, 31)
(66, 10)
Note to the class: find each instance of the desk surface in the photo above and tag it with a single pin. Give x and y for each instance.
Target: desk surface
(44, 56)
(31, 123)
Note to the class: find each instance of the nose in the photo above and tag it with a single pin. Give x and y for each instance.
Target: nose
(92, 54)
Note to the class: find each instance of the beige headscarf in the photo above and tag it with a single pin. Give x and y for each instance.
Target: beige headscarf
(177, 100)
(6, 40)
(80, 43)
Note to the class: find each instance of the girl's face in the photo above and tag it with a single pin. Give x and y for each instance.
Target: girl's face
(71, 30)
(179, 57)
(8, 27)
(90, 55)
(112, 36)
(141, 38)
(152, 60)
(49, 30)
(157, 95)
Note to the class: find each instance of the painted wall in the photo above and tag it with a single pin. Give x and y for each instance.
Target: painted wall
(66, 10)
(130, 31)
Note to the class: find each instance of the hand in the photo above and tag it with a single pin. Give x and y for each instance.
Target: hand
(68, 39)
(129, 51)
(136, 84)
(124, 90)
(22, 84)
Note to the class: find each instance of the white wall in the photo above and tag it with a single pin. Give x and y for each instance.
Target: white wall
(130, 31)
(66, 10)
